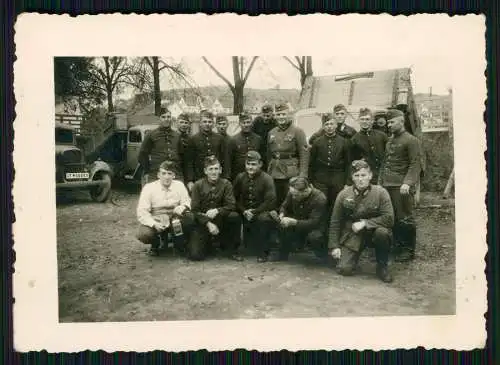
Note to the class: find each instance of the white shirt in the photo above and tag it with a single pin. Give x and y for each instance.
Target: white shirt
(156, 202)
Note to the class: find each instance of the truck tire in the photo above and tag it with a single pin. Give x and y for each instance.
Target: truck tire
(101, 194)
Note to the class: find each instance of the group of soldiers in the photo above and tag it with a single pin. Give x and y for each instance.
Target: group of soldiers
(338, 193)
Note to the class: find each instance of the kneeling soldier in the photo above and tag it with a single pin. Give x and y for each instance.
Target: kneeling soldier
(302, 219)
(163, 204)
(362, 216)
(214, 206)
(255, 198)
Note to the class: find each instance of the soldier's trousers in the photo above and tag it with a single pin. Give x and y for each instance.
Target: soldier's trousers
(281, 186)
(257, 234)
(405, 229)
(228, 237)
(379, 238)
(291, 237)
(150, 236)
(331, 186)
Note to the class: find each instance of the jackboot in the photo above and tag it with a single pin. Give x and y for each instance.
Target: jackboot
(384, 274)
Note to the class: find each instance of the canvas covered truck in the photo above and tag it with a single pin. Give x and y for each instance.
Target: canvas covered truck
(377, 90)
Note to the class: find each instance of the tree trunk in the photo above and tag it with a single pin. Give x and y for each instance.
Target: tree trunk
(156, 82)
(309, 69)
(238, 98)
(109, 92)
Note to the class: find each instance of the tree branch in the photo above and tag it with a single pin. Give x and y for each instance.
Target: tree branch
(291, 62)
(249, 69)
(218, 73)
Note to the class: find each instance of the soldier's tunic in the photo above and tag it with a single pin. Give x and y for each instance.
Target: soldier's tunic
(288, 157)
(202, 145)
(258, 194)
(184, 136)
(369, 146)
(329, 163)
(262, 129)
(218, 195)
(402, 166)
(374, 207)
(239, 146)
(311, 215)
(384, 129)
(159, 145)
(342, 130)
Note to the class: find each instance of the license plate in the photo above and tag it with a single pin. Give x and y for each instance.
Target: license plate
(77, 175)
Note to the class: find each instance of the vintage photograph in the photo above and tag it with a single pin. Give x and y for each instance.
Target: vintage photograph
(252, 187)
(222, 182)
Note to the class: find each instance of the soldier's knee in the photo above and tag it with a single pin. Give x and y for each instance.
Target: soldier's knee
(315, 237)
(187, 221)
(146, 234)
(382, 236)
(233, 217)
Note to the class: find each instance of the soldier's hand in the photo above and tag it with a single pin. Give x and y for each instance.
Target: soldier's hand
(159, 227)
(178, 210)
(212, 213)
(248, 214)
(336, 253)
(212, 229)
(405, 189)
(358, 226)
(190, 186)
(285, 221)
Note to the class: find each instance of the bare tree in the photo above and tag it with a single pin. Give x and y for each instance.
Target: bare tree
(240, 76)
(304, 65)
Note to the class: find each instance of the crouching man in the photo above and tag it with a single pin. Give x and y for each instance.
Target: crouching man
(362, 217)
(164, 207)
(301, 220)
(255, 198)
(214, 207)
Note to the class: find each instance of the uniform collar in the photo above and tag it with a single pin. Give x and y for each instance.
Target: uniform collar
(362, 193)
(257, 174)
(213, 183)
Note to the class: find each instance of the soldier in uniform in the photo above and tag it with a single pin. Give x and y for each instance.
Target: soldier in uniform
(362, 217)
(214, 207)
(329, 162)
(255, 198)
(380, 123)
(343, 130)
(399, 174)
(221, 124)
(184, 127)
(287, 151)
(160, 203)
(262, 125)
(203, 144)
(160, 145)
(302, 220)
(369, 144)
(315, 135)
(240, 144)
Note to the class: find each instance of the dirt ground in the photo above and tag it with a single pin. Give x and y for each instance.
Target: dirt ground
(105, 274)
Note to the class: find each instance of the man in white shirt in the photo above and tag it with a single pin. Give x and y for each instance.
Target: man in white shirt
(161, 204)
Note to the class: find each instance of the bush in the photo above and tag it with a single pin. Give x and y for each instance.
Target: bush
(438, 151)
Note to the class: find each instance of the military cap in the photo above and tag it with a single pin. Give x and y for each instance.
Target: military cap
(394, 113)
(253, 156)
(339, 107)
(220, 118)
(164, 110)
(267, 108)
(357, 165)
(211, 160)
(282, 107)
(244, 116)
(299, 182)
(364, 111)
(167, 165)
(379, 114)
(183, 116)
(207, 114)
(326, 117)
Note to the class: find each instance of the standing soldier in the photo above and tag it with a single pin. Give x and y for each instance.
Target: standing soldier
(240, 144)
(262, 125)
(203, 144)
(369, 144)
(184, 127)
(255, 198)
(320, 132)
(287, 151)
(221, 124)
(302, 220)
(214, 207)
(329, 162)
(380, 123)
(343, 130)
(160, 145)
(362, 217)
(399, 174)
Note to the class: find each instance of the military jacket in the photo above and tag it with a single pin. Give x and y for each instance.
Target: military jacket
(329, 154)
(310, 212)
(287, 153)
(159, 145)
(373, 206)
(206, 195)
(401, 164)
(369, 146)
(239, 146)
(202, 145)
(257, 192)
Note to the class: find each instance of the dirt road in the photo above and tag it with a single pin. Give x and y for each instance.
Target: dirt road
(105, 275)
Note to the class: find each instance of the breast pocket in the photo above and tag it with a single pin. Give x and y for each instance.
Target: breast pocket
(292, 167)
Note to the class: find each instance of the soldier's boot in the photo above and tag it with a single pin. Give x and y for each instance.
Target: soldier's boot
(155, 247)
(408, 243)
(384, 274)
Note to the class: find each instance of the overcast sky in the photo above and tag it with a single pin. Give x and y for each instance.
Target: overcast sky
(271, 71)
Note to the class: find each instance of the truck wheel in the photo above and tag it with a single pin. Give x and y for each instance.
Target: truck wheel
(101, 194)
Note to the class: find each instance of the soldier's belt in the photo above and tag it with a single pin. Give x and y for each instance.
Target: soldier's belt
(283, 156)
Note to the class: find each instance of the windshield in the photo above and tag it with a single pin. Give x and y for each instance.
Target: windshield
(64, 136)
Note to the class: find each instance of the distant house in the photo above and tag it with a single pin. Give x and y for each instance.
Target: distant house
(218, 108)
(435, 111)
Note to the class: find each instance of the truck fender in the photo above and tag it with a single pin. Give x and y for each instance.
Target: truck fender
(100, 166)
